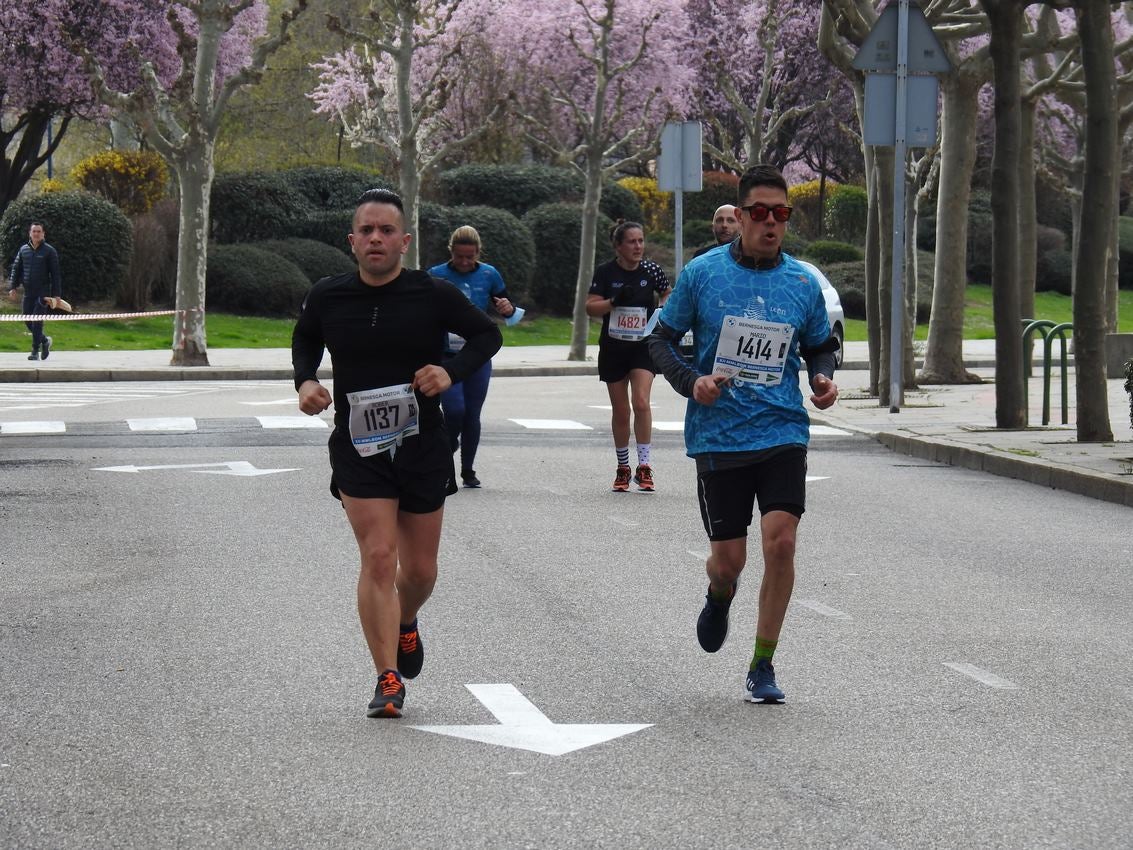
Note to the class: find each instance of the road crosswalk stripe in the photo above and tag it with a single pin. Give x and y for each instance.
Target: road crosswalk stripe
(173, 423)
(285, 422)
(52, 427)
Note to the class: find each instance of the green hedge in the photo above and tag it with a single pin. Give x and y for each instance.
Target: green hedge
(250, 281)
(315, 259)
(847, 211)
(520, 188)
(327, 187)
(1054, 272)
(849, 279)
(824, 251)
(719, 189)
(331, 227)
(1125, 252)
(93, 237)
(506, 243)
(256, 205)
(558, 230)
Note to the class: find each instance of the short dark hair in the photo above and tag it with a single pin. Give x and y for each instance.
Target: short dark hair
(759, 175)
(36, 224)
(618, 231)
(381, 196)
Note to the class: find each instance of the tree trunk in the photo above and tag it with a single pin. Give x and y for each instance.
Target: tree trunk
(194, 174)
(883, 167)
(944, 354)
(409, 180)
(908, 358)
(580, 324)
(1028, 218)
(1098, 214)
(873, 272)
(1006, 19)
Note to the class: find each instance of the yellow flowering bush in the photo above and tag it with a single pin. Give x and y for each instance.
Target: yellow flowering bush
(52, 185)
(656, 206)
(807, 220)
(132, 180)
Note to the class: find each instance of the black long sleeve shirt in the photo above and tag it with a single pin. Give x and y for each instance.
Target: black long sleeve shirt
(37, 271)
(379, 336)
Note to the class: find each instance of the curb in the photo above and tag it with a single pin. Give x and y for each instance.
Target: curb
(1094, 485)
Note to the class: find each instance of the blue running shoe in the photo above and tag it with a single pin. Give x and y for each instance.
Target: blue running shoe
(712, 624)
(761, 685)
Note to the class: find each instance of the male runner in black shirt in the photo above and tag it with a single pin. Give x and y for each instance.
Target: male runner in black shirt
(385, 328)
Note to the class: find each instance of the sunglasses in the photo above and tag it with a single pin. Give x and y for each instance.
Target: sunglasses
(759, 212)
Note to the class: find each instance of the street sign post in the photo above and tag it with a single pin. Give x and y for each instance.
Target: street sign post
(900, 56)
(679, 170)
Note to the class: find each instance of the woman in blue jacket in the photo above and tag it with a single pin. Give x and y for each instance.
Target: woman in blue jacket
(485, 288)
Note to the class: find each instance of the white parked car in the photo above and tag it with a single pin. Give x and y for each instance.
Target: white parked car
(833, 310)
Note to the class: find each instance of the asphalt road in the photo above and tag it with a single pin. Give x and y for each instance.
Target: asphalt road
(181, 665)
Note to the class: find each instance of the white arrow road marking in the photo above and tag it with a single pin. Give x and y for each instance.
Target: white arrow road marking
(232, 467)
(983, 676)
(524, 727)
(553, 424)
(33, 428)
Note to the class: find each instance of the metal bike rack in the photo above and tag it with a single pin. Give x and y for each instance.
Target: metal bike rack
(1049, 331)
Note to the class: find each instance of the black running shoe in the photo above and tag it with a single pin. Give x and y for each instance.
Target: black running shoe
(46, 347)
(410, 651)
(468, 476)
(389, 696)
(34, 355)
(712, 625)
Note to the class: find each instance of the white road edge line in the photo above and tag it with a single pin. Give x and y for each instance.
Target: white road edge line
(552, 424)
(174, 423)
(983, 676)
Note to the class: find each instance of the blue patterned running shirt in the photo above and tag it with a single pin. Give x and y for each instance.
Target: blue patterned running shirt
(763, 405)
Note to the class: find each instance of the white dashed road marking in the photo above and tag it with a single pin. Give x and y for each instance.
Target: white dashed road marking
(283, 422)
(174, 423)
(825, 610)
(983, 676)
(828, 431)
(668, 426)
(552, 424)
(33, 428)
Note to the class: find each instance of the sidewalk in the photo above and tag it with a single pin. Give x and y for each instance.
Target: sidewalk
(949, 424)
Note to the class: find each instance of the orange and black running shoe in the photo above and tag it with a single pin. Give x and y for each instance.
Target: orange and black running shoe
(621, 479)
(410, 651)
(389, 696)
(643, 478)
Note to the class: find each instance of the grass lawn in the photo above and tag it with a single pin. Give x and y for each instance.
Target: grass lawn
(979, 324)
(226, 331)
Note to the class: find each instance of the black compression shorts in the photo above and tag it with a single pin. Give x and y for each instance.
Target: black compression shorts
(727, 496)
(616, 361)
(419, 474)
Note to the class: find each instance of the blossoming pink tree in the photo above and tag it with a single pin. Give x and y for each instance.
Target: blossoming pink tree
(595, 80)
(207, 49)
(393, 88)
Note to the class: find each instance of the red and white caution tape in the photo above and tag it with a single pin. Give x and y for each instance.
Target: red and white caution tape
(79, 317)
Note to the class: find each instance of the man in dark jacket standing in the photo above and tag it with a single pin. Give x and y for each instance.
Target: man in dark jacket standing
(36, 269)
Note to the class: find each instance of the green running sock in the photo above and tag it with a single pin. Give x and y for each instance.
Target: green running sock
(763, 649)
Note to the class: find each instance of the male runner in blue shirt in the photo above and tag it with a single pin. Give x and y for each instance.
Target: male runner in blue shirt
(754, 313)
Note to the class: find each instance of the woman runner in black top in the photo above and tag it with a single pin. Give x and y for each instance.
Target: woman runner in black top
(385, 329)
(625, 292)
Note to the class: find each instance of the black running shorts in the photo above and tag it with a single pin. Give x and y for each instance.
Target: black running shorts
(727, 495)
(419, 474)
(616, 360)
